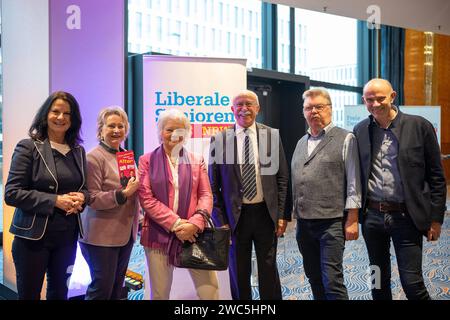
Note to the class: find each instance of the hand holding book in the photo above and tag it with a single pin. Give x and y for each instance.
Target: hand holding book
(132, 186)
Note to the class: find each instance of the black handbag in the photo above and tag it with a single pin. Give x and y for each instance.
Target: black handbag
(209, 251)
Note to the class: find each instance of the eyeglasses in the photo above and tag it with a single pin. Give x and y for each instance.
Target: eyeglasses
(372, 100)
(248, 104)
(318, 107)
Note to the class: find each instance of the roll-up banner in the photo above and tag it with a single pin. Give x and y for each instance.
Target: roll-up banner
(202, 88)
(356, 113)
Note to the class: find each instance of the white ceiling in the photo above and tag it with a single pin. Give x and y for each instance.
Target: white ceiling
(424, 15)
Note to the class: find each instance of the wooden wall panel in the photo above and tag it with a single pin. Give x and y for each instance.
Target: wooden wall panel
(414, 68)
(414, 85)
(441, 72)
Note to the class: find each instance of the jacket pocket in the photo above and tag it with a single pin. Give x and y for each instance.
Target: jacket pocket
(23, 220)
(416, 156)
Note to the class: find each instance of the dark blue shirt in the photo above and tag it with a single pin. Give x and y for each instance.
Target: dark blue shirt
(385, 183)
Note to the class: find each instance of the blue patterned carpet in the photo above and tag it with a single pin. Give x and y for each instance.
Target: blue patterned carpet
(295, 286)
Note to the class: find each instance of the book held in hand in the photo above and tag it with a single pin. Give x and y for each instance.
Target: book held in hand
(127, 166)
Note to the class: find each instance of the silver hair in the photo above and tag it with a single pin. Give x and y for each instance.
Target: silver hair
(246, 93)
(319, 91)
(173, 114)
(105, 113)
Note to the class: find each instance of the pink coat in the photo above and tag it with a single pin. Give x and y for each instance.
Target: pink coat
(201, 197)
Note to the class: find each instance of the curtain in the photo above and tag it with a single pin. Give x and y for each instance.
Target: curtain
(393, 58)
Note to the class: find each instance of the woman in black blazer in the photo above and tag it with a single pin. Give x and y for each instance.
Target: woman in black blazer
(46, 184)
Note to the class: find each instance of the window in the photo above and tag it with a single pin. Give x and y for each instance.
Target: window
(340, 99)
(326, 53)
(196, 35)
(138, 25)
(149, 24)
(283, 17)
(187, 8)
(228, 28)
(175, 35)
(213, 39)
(159, 28)
(221, 12)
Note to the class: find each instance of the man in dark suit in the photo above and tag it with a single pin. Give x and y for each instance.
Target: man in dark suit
(404, 189)
(249, 178)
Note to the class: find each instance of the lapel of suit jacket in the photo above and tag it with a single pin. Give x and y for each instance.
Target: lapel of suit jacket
(78, 155)
(397, 129)
(231, 144)
(263, 136)
(326, 139)
(45, 151)
(264, 146)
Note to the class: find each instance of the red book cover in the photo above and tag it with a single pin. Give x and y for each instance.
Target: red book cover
(127, 166)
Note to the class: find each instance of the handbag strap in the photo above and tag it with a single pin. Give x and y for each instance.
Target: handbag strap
(207, 218)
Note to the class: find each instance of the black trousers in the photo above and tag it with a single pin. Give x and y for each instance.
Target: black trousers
(54, 254)
(256, 227)
(107, 266)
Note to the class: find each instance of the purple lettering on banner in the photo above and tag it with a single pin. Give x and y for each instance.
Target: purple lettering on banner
(87, 56)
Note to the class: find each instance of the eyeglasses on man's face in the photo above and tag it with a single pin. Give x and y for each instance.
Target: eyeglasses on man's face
(318, 107)
(248, 104)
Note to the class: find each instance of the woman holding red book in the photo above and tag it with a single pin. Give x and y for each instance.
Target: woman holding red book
(110, 221)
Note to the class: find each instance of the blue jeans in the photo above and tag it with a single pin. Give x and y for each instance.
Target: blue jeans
(322, 243)
(378, 228)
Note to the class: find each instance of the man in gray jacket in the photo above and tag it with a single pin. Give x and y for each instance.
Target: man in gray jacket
(326, 193)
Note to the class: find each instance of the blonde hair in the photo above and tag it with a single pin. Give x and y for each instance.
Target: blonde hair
(319, 91)
(105, 113)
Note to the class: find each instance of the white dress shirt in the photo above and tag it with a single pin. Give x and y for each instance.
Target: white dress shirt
(240, 136)
(176, 188)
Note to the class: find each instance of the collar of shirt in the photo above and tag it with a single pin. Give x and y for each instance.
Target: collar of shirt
(394, 121)
(240, 130)
(109, 149)
(322, 133)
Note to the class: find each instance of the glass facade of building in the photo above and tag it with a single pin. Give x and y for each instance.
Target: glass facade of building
(227, 28)
(325, 45)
